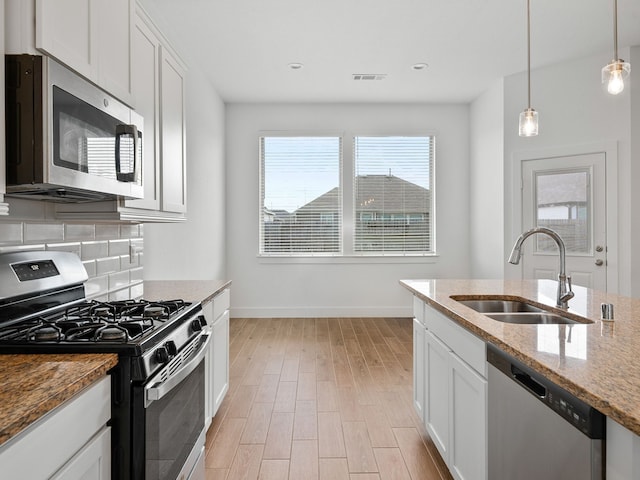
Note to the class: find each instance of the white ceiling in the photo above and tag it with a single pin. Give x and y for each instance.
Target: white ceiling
(245, 46)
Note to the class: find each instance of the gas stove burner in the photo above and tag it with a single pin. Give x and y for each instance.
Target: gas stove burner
(111, 333)
(103, 311)
(154, 311)
(44, 333)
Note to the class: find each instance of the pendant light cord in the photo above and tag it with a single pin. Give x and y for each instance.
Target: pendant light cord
(529, 54)
(615, 30)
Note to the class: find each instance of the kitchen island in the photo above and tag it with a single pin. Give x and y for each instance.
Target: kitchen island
(595, 360)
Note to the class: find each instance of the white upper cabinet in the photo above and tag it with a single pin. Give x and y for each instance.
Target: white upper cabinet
(172, 128)
(93, 37)
(146, 88)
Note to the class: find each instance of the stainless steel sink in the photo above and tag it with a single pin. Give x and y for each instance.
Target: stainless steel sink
(532, 318)
(499, 306)
(516, 311)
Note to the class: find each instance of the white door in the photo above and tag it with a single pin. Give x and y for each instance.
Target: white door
(568, 195)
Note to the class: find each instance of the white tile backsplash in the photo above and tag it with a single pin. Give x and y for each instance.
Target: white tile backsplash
(90, 267)
(107, 265)
(119, 247)
(104, 250)
(96, 286)
(118, 280)
(10, 233)
(107, 231)
(73, 247)
(43, 232)
(79, 232)
(93, 250)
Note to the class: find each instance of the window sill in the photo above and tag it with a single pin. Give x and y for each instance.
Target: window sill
(349, 259)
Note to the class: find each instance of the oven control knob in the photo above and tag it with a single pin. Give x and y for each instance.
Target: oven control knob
(197, 327)
(172, 350)
(162, 355)
(203, 321)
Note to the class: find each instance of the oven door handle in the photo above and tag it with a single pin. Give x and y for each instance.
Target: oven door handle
(155, 391)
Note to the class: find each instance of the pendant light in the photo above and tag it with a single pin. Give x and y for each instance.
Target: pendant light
(615, 73)
(528, 118)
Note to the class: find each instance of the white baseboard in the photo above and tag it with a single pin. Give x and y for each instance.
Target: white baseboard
(320, 312)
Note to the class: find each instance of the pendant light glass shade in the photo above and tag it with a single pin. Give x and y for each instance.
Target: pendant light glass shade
(528, 125)
(618, 70)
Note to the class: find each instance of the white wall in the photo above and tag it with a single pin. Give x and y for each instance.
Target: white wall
(574, 111)
(195, 249)
(354, 287)
(486, 183)
(634, 92)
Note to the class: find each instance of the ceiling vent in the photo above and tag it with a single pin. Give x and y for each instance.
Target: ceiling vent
(369, 76)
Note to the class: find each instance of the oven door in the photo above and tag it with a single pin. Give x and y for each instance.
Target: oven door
(174, 415)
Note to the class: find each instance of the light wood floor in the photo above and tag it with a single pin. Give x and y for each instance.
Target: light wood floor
(325, 399)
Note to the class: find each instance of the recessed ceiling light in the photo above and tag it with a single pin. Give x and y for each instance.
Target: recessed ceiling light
(419, 66)
(295, 66)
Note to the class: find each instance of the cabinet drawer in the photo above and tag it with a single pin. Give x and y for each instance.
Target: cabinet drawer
(221, 303)
(467, 346)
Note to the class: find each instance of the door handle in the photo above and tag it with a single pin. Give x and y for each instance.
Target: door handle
(599, 262)
(599, 248)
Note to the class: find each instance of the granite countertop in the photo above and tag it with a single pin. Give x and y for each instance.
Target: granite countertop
(598, 362)
(33, 385)
(189, 290)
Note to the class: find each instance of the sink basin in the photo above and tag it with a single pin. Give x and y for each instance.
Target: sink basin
(499, 306)
(541, 318)
(516, 311)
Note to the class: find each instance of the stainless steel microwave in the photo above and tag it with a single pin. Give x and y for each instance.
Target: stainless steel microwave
(67, 140)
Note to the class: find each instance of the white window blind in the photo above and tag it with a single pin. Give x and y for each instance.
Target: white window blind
(300, 195)
(393, 194)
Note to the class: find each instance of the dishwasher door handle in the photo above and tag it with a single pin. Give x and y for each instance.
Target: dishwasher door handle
(528, 382)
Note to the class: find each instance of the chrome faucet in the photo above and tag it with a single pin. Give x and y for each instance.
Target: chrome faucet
(564, 282)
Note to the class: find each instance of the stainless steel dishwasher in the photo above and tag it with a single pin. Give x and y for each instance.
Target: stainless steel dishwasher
(537, 430)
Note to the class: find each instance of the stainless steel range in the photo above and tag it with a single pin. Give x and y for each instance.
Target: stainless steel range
(158, 385)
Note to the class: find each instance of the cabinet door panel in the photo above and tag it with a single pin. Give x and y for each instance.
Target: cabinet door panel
(113, 38)
(93, 462)
(145, 68)
(468, 422)
(437, 389)
(418, 367)
(64, 29)
(220, 360)
(174, 168)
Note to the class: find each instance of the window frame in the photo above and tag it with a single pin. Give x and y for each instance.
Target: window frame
(347, 254)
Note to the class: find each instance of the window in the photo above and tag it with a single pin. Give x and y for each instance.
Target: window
(301, 200)
(393, 194)
(303, 204)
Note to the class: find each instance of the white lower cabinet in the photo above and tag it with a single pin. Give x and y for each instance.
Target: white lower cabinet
(216, 312)
(468, 456)
(73, 442)
(455, 394)
(623, 452)
(93, 462)
(220, 360)
(418, 368)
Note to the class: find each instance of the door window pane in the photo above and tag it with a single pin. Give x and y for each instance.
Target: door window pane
(563, 203)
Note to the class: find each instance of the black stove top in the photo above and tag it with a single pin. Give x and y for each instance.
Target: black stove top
(117, 322)
(43, 309)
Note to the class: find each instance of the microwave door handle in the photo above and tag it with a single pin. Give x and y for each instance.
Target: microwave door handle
(155, 391)
(130, 130)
